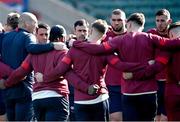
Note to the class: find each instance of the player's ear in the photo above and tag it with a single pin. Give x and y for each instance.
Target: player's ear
(170, 21)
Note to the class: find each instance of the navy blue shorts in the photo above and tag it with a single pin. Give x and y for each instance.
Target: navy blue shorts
(2, 105)
(115, 102)
(139, 107)
(51, 109)
(92, 112)
(71, 102)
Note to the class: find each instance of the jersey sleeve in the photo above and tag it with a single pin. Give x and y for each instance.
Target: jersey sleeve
(19, 74)
(161, 60)
(35, 48)
(64, 64)
(76, 81)
(5, 70)
(165, 43)
(115, 62)
(92, 48)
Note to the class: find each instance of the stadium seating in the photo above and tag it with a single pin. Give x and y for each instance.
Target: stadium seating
(102, 8)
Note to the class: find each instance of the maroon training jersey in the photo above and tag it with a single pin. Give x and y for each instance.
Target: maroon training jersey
(5, 70)
(113, 75)
(43, 63)
(163, 74)
(133, 47)
(173, 72)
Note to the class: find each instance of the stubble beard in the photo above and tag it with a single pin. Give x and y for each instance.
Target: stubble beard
(119, 29)
(82, 37)
(162, 30)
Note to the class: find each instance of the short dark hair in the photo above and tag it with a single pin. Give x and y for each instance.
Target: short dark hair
(100, 25)
(163, 12)
(43, 25)
(13, 20)
(57, 31)
(174, 25)
(117, 11)
(81, 22)
(138, 18)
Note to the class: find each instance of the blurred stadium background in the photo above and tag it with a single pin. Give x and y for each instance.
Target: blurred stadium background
(66, 12)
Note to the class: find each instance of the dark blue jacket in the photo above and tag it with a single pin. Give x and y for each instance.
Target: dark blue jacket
(14, 47)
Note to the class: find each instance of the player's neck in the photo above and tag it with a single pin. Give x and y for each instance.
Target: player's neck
(135, 29)
(120, 32)
(163, 33)
(95, 39)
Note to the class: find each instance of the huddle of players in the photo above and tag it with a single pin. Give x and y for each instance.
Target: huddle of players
(131, 84)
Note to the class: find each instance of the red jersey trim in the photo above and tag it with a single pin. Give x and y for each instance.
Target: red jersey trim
(162, 41)
(25, 65)
(106, 45)
(66, 60)
(114, 60)
(162, 60)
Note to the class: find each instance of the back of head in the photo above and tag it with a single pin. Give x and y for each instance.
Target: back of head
(100, 25)
(164, 12)
(13, 20)
(174, 30)
(137, 18)
(174, 25)
(57, 31)
(27, 18)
